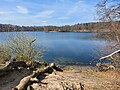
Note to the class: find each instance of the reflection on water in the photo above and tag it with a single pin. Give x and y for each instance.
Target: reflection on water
(66, 47)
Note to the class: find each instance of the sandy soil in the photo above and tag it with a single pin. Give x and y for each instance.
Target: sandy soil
(12, 79)
(71, 78)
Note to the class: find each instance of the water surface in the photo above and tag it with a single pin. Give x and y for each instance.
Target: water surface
(67, 47)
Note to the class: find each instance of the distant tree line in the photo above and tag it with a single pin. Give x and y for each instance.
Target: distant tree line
(84, 27)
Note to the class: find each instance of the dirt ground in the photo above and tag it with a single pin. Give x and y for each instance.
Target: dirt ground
(72, 78)
(89, 79)
(12, 79)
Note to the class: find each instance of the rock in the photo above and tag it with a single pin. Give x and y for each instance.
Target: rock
(111, 67)
(35, 86)
(104, 67)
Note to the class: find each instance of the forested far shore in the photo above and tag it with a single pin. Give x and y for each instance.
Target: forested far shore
(84, 27)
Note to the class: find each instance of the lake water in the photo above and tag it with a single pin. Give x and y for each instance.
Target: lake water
(67, 48)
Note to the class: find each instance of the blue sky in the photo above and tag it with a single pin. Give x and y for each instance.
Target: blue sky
(47, 12)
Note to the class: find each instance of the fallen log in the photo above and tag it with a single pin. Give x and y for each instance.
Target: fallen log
(110, 55)
(55, 67)
(23, 83)
(26, 81)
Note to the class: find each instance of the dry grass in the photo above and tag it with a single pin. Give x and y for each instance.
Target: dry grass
(111, 75)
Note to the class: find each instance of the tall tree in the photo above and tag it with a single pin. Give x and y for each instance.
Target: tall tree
(109, 11)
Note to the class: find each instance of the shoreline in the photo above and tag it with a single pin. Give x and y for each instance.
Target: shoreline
(58, 31)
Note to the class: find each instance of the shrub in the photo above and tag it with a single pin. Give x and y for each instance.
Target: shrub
(20, 47)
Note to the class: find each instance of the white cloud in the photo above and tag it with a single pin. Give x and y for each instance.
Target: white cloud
(44, 21)
(63, 18)
(22, 10)
(1, 12)
(46, 14)
(5, 12)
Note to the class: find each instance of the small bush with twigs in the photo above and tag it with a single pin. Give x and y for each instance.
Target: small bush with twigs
(20, 47)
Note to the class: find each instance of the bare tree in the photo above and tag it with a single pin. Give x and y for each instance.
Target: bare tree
(109, 11)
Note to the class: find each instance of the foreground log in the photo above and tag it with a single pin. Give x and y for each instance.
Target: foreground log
(55, 67)
(114, 63)
(26, 81)
(23, 83)
(110, 55)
